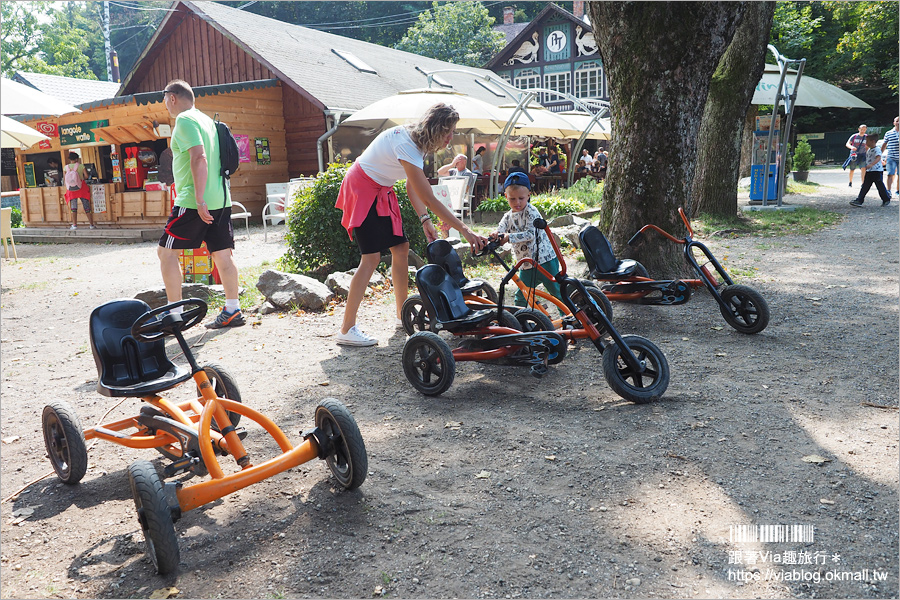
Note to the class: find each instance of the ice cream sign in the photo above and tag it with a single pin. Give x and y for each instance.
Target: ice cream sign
(80, 133)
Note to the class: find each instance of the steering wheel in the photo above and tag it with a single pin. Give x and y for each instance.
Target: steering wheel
(148, 327)
(489, 247)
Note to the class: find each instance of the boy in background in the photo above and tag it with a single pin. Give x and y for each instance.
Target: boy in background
(874, 172)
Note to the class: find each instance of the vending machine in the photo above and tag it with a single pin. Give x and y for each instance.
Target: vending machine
(760, 182)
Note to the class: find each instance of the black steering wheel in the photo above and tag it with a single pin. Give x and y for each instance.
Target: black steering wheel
(149, 327)
(489, 247)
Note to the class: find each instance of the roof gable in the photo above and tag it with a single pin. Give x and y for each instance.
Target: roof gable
(531, 32)
(307, 60)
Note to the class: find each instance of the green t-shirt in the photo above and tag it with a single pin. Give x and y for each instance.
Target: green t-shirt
(193, 128)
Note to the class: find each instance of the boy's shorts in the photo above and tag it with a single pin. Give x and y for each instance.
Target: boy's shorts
(891, 165)
(186, 230)
(85, 204)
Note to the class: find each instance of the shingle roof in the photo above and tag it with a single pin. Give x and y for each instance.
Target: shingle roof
(71, 90)
(511, 30)
(305, 57)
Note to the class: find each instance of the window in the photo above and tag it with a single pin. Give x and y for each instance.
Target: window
(355, 61)
(528, 79)
(560, 82)
(590, 81)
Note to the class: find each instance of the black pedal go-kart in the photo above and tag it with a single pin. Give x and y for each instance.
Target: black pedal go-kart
(628, 280)
(633, 366)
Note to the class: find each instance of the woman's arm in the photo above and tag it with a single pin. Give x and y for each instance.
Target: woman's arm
(422, 198)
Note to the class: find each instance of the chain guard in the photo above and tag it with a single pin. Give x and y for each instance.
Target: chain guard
(668, 293)
(187, 436)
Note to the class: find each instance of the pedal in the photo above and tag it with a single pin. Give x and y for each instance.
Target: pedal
(539, 371)
(181, 465)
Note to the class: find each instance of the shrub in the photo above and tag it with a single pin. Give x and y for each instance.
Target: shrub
(497, 204)
(16, 217)
(317, 242)
(586, 190)
(554, 206)
(803, 156)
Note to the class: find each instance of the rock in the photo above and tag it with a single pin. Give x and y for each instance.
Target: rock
(567, 220)
(339, 283)
(267, 308)
(156, 297)
(633, 582)
(289, 291)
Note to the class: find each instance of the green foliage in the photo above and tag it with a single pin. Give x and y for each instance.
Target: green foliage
(803, 156)
(587, 190)
(19, 32)
(552, 205)
(498, 204)
(16, 217)
(317, 242)
(774, 223)
(457, 32)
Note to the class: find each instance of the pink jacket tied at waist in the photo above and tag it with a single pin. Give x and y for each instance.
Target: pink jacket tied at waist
(358, 190)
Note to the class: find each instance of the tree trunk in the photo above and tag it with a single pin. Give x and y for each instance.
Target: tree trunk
(659, 59)
(722, 129)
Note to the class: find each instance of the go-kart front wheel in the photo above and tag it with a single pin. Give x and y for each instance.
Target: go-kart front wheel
(639, 387)
(64, 440)
(414, 315)
(154, 516)
(428, 363)
(348, 463)
(748, 311)
(600, 300)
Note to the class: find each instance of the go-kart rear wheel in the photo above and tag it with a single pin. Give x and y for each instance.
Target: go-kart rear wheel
(638, 387)
(64, 440)
(749, 311)
(349, 463)
(507, 319)
(600, 299)
(487, 292)
(428, 363)
(414, 315)
(531, 319)
(640, 270)
(225, 386)
(154, 516)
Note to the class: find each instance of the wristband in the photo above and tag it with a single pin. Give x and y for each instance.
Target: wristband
(423, 218)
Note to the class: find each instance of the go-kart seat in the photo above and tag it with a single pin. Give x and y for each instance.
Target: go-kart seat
(442, 253)
(127, 367)
(443, 298)
(601, 261)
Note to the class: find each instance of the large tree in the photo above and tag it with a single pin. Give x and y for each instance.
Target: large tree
(722, 129)
(659, 59)
(457, 32)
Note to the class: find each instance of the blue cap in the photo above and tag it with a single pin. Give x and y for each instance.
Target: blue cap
(517, 179)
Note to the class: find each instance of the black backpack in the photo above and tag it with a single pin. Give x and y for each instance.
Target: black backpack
(229, 155)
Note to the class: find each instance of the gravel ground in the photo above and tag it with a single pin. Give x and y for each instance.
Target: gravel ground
(504, 486)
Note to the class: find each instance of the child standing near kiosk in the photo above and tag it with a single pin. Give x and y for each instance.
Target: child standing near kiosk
(517, 228)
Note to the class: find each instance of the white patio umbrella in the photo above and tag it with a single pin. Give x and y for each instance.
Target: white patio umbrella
(812, 91)
(476, 116)
(18, 135)
(581, 120)
(543, 122)
(20, 99)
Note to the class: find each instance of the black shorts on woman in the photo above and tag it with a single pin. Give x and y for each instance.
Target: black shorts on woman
(186, 230)
(376, 233)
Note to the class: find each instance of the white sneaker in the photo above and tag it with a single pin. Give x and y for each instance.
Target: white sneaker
(355, 337)
(398, 321)
(73, 227)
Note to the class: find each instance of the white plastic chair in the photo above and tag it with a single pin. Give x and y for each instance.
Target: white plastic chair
(461, 188)
(6, 231)
(275, 211)
(239, 211)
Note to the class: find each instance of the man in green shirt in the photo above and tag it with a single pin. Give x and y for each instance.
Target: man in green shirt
(202, 211)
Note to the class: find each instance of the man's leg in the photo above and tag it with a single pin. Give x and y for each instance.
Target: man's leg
(170, 268)
(400, 274)
(228, 271)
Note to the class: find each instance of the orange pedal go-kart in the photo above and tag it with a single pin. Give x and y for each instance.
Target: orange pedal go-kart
(129, 350)
(628, 280)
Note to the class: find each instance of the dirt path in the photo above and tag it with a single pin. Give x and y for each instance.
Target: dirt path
(505, 486)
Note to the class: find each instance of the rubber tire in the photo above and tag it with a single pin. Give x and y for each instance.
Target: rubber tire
(414, 315)
(64, 440)
(533, 320)
(751, 308)
(602, 301)
(154, 516)
(349, 464)
(618, 374)
(640, 270)
(225, 386)
(507, 319)
(428, 347)
(488, 292)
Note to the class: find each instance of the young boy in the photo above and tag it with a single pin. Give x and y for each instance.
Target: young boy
(517, 228)
(874, 172)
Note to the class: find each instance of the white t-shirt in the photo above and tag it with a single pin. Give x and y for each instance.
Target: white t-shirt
(874, 155)
(381, 160)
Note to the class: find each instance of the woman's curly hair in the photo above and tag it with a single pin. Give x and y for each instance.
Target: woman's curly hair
(428, 133)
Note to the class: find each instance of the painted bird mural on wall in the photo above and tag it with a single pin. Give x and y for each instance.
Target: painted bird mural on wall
(527, 52)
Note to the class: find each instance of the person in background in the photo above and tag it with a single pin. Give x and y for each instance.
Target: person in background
(582, 167)
(553, 166)
(372, 211)
(202, 210)
(890, 149)
(873, 174)
(516, 167)
(857, 146)
(76, 187)
(457, 166)
(52, 174)
(586, 157)
(478, 161)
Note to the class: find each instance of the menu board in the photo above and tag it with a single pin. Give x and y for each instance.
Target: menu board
(98, 197)
(30, 180)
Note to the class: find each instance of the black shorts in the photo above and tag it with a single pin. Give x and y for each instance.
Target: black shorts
(185, 229)
(376, 234)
